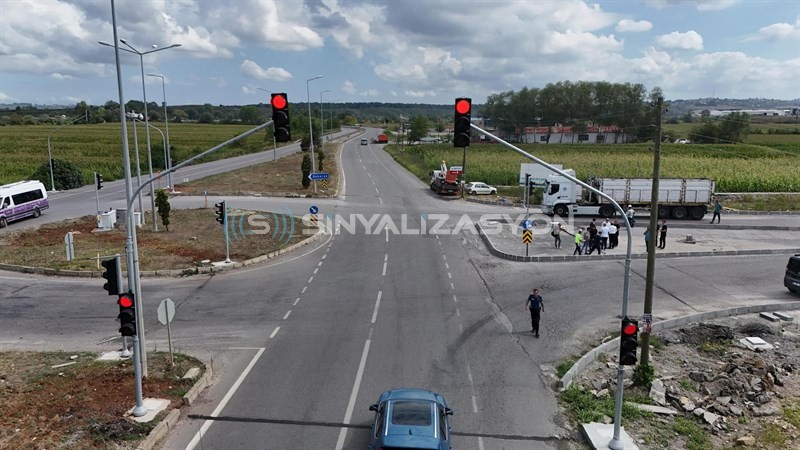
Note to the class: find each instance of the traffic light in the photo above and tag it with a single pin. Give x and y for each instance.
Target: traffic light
(99, 180)
(112, 273)
(461, 127)
(280, 117)
(127, 314)
(219, 211)
(628, 342)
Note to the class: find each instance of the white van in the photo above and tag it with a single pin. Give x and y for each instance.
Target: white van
(22, 199)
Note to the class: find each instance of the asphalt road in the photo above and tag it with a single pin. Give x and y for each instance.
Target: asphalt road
(303, 345)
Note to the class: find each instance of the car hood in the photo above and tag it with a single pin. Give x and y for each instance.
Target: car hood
(411, 441)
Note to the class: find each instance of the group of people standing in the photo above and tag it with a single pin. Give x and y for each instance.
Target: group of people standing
(594, 237)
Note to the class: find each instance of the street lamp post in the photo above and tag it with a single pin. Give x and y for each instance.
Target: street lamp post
(133, 117)
(167, 150)
(322, 122)
(163, 140)
(50, 152)
(310, 130)
(274, 144)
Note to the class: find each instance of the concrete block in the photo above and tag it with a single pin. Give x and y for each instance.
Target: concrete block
(783, 316)
(599, 435)
(769, 316)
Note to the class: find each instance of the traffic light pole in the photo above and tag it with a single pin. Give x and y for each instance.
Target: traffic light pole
(97, 192)
(227, 239)
(131, 245)
(615, 443)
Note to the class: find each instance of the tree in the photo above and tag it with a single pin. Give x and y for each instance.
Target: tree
(305, 168)
(206, 117)
(730, 129)
(162, 203)
(65, 174)
(419, 128)
(320, 158)
(249, 115)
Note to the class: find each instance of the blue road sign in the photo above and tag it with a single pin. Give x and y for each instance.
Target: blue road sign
(313, 210)
(318, 176)
(526, 224)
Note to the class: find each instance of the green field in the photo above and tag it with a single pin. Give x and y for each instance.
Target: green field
(735, 168)
(98, 147)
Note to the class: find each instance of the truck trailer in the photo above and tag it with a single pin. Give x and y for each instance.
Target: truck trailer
(445, 181)
(678, 198)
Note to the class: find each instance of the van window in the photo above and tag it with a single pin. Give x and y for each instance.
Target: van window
(26, 197)
(6, 203)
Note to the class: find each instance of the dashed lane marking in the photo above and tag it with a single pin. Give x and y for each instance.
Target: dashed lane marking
(377, 305)
(274, 333)
(287, 314)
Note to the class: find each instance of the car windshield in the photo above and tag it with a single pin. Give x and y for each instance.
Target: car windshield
(411, 413)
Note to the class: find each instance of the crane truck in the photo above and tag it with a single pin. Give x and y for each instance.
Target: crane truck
(445, 181)
(678, 198)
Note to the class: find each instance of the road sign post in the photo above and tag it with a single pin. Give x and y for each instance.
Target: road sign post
(527, 236)
(318, 176)
(166, 311)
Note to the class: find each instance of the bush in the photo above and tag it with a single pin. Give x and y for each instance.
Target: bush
(305, 168)
(643, 375)
(66, 175)
(162, 203)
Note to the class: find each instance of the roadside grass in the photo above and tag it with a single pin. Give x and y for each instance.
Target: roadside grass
(773, 202)
(585, 407)
(281, 177)
(98, 147)
(81, 405)
(791, 412)
(696, 435)
(193, 236)
(566, 364)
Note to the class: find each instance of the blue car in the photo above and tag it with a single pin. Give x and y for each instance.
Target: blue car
(410, 419)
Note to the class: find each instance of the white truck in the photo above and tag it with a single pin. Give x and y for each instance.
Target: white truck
(678, 198)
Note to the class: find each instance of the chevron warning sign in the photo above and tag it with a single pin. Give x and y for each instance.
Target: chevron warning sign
(324, 184)
(313, 219)
(527, 237)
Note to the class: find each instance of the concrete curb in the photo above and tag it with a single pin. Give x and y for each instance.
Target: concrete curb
(613, 344)
(566, 258)
(198, 387)
(164, 273)
(160, 431)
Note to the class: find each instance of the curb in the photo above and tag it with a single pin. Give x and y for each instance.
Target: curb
(163, 273)
(160, 431)
(566, 258)
(613, 344)
(198, 387)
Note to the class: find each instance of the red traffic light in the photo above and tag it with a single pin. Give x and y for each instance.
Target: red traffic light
(463, 106)
(278, 101)
(629, 329)
(125, 302)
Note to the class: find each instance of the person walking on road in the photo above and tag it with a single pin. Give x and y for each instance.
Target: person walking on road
(536, 306)
(556, 233)
(631, 215)
(717, 211)
(578, 242)
(662, 235)
(586, 238)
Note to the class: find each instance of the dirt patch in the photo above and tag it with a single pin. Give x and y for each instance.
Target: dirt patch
(281, 177)
(82, 405)
(194, 235)
(723, 393)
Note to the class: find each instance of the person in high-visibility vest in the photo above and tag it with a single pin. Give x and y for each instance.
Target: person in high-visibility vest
(578, 242)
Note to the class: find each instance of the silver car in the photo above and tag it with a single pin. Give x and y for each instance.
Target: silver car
(476, 187)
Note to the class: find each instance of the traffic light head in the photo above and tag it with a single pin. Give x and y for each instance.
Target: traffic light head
(127, 314)
(628, 342)
(280, 117)
(112, 273)
(219, 211)
(99, 181)
(463, 119)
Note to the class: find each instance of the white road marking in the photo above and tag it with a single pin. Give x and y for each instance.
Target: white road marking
(474, 404)
(480, 443)
(385, 256)
(376, 190)
(316, 270)
(454, 298)
(384, 268)
(353, 394)
(451, 286)
(460, 327)
(444, 257)
(274, 333)
(304, 290)
(447, 266)
(449, 275)
(204, 428)
(387, 233)
(458, 312)
(320, 263)
(310, 279)
(377, 305)
(287, 314)
(296, 301)
(437, 236)
(324, 256)
(380, 200)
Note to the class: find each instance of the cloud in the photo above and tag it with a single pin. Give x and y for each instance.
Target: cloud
(5, 98)
(779, 31)
(633, 26)
(61, 76)
(219, 81)
(420, 94)
(691, 40)
(273, 73)
(349, 87)
(700, 5)
(370, 93)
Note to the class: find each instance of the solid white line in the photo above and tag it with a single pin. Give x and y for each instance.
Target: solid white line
(352, 403)
(274, 333)
(297, 300)
(304, 290)
(316, 270)
(447, 266)
(287, 314)
(377, 305)
(474, 404)
(310, 279)
(204, 428)
(384, 268)
(480, 443)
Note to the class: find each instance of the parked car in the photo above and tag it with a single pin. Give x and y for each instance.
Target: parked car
(364, 142)
(477, 187)
(792, 277)
(410, 418)
(682, 141)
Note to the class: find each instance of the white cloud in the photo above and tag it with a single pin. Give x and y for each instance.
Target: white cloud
(633, 26)
(219, 81)
(779, 31)
(349, 87)
(61, 76)
(273, 73)
(394, 93)
(691, 40)
(5, 98)
(370, 93)
(700, 5)
(420, 94)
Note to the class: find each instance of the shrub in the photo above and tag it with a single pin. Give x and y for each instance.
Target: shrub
(66, 175)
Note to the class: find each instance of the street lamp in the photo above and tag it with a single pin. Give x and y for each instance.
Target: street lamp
(310, 131)
(146, 119)
(133, 116)
(274, 145)
(163, 140)
(322, 123)
(168, 157)
(50, 152)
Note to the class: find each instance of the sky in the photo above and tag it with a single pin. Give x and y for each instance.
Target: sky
(412, 51)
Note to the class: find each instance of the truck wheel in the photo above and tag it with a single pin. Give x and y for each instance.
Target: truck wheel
(679, 213)
(606, 211)
(697, 212)
(663, 212)
(560, 210)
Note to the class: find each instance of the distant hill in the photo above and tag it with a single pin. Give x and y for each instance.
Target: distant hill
(681, 107)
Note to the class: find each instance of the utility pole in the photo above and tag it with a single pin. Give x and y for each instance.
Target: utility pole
(651, 243)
